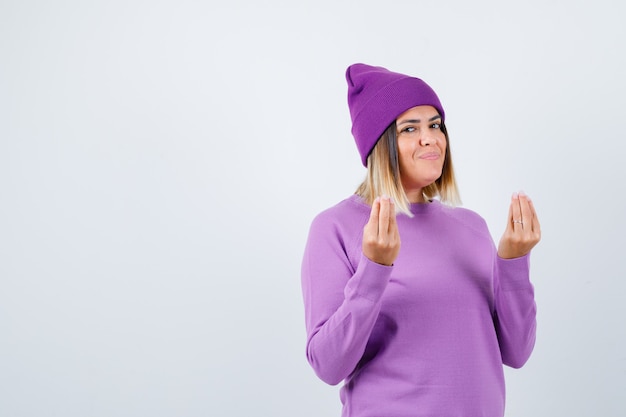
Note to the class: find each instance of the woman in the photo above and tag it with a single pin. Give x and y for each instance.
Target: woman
(407, 300)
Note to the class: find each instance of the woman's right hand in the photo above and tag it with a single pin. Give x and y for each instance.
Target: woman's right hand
(381, 239)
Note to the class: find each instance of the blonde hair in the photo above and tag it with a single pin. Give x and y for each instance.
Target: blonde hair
(383, 175)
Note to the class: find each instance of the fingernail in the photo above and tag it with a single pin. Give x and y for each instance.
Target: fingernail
(515, 196)
(522, 193)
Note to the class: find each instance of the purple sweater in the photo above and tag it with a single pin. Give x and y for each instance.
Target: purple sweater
(426, 337)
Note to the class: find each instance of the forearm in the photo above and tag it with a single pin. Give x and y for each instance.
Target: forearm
(339, 325)
(515, 315)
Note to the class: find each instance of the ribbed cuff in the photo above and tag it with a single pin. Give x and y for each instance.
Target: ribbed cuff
(369, 281)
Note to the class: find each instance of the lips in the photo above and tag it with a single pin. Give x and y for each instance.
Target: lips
(429, 156)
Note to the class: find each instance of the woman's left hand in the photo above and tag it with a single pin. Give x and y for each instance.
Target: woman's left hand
(522, 232)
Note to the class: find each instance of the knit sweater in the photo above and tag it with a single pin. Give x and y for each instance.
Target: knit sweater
(426, 337)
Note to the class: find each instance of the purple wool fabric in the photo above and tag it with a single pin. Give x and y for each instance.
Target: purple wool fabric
(426, 337)
(377, 96)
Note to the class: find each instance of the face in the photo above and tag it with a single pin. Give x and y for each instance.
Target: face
(421, 149)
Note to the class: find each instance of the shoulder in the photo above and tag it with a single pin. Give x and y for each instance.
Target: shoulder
(350, 211)
(337, 231)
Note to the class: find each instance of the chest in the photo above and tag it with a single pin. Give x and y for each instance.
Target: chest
(442, 267)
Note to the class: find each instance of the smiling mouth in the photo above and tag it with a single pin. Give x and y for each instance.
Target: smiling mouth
(430, 156)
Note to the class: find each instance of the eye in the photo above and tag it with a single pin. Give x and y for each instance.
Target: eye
(408, 129)
(435, 126)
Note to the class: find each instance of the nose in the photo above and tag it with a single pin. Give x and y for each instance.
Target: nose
(427, 140)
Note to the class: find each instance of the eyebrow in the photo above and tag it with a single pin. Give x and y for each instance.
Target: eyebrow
(432, 119)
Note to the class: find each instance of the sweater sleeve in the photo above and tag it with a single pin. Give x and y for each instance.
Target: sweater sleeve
(515, 310)
(341, 302)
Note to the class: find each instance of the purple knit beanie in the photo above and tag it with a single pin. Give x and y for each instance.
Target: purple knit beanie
(377, 96)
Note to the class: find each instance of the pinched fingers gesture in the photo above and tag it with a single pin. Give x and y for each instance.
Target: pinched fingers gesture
(381, 240)
(523, 231)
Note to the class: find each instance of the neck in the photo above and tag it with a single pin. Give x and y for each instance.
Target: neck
(416, 196)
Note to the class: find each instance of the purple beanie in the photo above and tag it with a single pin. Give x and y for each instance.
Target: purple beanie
(377, 96)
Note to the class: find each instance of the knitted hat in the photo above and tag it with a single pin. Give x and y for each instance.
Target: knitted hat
(377, 96)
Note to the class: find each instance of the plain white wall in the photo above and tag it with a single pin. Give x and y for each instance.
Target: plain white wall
(160, 163)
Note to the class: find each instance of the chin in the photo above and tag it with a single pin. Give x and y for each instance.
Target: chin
(434, 178)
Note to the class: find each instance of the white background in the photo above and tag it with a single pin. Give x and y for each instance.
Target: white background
(161, 161)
